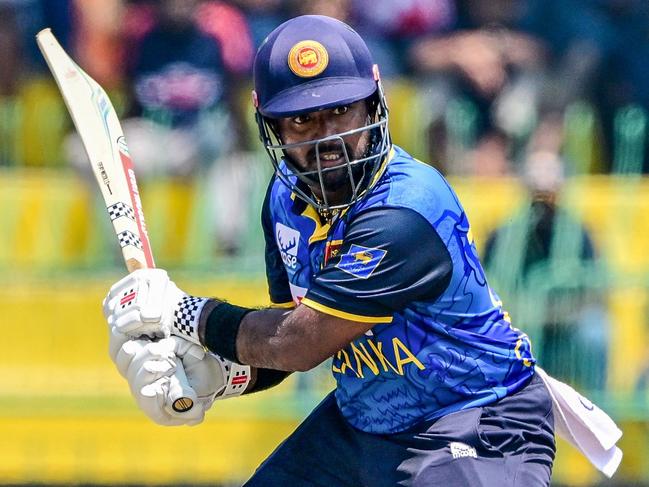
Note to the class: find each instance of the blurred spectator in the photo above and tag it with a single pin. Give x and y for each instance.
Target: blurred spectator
(32, 120)
(489, 61)
(624, 72)
(20, 21)
(10, 52)
(11, 75)
(186, 73)
(33, 15)
(263, 16)
(390, 27)
(407, 18)
(185, 60)
(545, 258)
(186, 63)
(98, 45)
(600, 50)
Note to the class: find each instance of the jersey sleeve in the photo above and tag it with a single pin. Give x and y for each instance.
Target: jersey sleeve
(278, 286)
(389, 258)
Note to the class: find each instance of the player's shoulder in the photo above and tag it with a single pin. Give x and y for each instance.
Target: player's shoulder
(405, 171)
(410, 183)
(278, 195)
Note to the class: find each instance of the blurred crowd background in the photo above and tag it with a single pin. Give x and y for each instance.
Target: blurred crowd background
(536, 110)
(496, 82)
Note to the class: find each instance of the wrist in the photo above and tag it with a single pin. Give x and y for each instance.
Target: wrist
(186, 317)
(266, 378)
(219, 327)
(237, 378)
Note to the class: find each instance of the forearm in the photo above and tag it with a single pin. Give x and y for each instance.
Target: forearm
(275, 339)
(261, 339)
(267, 339)
(260, 378)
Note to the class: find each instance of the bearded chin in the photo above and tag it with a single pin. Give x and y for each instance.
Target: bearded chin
(339, 178)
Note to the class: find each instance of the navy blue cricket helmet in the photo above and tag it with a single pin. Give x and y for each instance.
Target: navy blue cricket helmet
(313, 63)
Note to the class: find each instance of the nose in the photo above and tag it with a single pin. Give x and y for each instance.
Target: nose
(327, 125)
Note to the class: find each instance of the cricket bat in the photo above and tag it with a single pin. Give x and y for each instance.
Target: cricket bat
(96, 122)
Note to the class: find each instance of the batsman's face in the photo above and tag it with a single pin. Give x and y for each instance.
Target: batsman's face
(321, 124)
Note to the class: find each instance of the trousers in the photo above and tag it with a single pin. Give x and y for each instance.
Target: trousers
(507, 443)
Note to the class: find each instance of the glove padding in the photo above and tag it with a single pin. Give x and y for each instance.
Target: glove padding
(143, 304)
(205, 372)
(148, 303)
(156, 374)
(153, 373)
(155, 369)
(212, 377)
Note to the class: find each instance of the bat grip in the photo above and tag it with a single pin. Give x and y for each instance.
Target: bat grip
(134, 264)
(181, 396)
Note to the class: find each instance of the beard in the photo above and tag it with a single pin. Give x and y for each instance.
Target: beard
(337, 176)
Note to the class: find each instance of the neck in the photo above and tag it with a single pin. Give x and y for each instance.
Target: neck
(334, 197)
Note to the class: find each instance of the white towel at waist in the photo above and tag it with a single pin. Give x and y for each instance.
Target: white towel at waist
(584, 425)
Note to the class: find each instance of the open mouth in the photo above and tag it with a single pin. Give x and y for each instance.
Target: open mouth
(331, 159)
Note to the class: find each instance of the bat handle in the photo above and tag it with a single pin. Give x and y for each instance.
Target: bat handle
(181, 396)
(134, 264)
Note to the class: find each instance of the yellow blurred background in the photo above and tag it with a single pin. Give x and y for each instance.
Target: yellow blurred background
(66, 416)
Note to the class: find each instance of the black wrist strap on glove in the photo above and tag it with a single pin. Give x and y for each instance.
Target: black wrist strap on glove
(267, 378)
(221, 329)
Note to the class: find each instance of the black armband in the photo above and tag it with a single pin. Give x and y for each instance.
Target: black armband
(221, 329)
(267, 378)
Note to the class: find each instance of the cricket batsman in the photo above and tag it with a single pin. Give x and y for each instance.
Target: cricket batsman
(370, 261)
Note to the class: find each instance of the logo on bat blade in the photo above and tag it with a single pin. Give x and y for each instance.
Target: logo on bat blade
(361, 261)
(104, 176)
(288, 240)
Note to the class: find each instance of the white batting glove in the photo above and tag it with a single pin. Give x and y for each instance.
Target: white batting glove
(148, 303)
(152, 368)
(154, 375)
(210, 375)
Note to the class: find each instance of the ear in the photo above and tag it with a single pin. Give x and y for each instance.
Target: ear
(372, 103)
(274, 126)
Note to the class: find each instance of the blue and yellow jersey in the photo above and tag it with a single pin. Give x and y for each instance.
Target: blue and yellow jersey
(403, 258)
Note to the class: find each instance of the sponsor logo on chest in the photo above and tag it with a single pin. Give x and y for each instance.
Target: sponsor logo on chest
(288, 240)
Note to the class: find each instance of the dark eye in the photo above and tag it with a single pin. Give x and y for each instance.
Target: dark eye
(300, 119)
(341, 110)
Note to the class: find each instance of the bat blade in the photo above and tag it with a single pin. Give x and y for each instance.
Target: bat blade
(103, 139)
(101, 133)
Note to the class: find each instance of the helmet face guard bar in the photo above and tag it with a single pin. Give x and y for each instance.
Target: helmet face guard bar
(360, 172)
